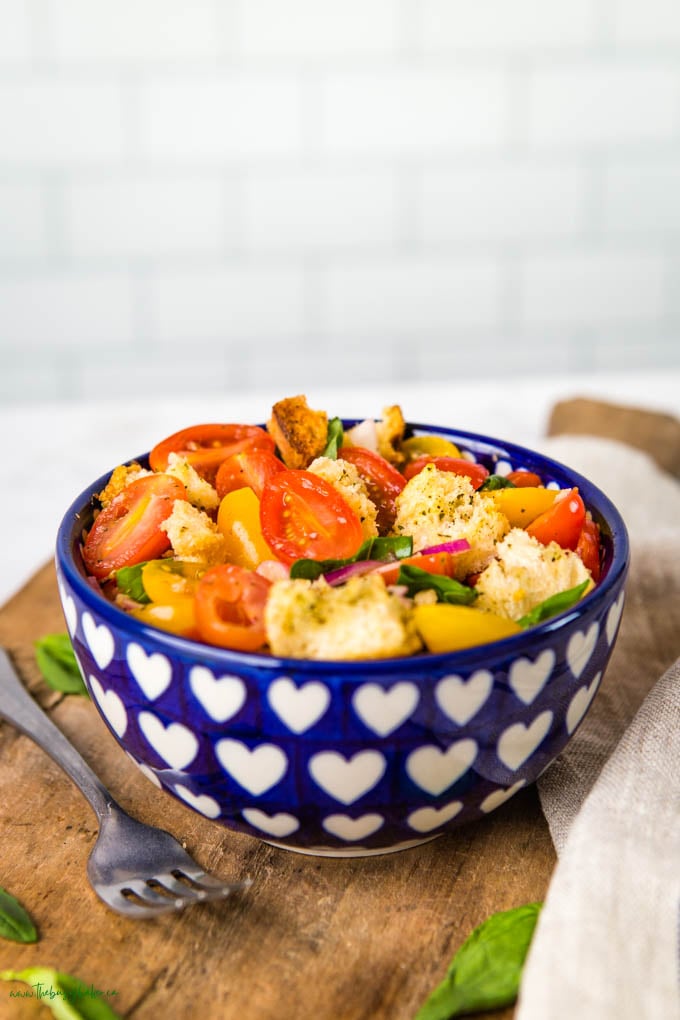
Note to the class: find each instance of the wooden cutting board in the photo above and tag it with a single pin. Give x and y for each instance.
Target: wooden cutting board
(312, 939)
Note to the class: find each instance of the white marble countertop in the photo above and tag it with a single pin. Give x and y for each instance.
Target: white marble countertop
(53, 451)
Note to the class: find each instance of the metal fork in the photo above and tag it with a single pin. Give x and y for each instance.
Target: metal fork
(136, 869)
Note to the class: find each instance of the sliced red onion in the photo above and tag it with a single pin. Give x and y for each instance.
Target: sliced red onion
(342, 574)
(458, 545)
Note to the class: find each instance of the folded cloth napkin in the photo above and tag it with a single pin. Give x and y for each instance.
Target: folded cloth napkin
(606, 945)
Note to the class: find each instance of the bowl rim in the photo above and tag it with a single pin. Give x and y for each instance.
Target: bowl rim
(465, 660)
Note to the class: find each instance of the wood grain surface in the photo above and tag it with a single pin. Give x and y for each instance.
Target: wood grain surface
(312, 939)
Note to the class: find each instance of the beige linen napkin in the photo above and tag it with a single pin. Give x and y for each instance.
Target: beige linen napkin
(606, 946)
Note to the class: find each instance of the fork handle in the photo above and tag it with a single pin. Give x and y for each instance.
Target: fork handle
(18, 708)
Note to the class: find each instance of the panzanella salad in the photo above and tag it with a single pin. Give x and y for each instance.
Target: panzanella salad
(305, 540)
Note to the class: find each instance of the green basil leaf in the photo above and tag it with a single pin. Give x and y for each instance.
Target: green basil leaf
(57, 662)
(447, 589)
(334, 438)
(388, 548)
(15, 923)
(496, 482)
(485, 972)
(66, 996)
(552, 606)
(129, 582)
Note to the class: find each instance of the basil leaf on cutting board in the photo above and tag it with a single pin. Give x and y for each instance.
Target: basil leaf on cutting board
(485, 972)
(57, 662)
(67, 996)
(15, 922)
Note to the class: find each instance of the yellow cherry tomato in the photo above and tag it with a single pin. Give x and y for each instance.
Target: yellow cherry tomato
(166, 580)
(434, 446)
(523, 505)
(238, 518)
(177, 616)
(446, 628)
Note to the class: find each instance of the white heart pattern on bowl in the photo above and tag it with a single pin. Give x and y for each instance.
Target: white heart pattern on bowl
(175, 744)
(426, 819)
(460, 699)
(99, 640)
(580, 703)
(299, 708)
(498, 797)
(112, 707)
(384, 711)
(221, 697)
(152, 672)
(201, 802)
(70, 611)
(347, 780)
(279, 825)
(528, 678)
(613, 618)
(434, 770)
(353, 829)
(519, 742)
(581, 646)
(256, 769)
(146, 771)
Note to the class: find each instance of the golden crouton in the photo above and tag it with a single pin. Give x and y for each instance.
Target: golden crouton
(120, 478)
(299, 432)
(346, 480)
(193, 535)
(390, 434)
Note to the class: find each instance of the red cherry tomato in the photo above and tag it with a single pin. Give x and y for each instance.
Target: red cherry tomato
(588, 547)
(252, 468)
(434, 563)
(524, 479)
(562, 523)
(383, 481)
(230, 603)
(127, 531)
(303, 516)
(206, 446)
(477, 473)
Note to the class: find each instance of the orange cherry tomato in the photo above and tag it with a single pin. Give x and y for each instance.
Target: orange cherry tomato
(128, 530)
(304, 517)
(206, 446)
(252, 468)
(229, 607)
(477, 473)
(588, 547)
(434, 563)
(562, 523)
(383, 481)
(524, 479)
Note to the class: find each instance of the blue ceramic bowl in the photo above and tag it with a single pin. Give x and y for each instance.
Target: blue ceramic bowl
(348, 758)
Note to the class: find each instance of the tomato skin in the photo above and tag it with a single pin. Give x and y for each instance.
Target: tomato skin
(303, 516)
(383, 481)
(477, 473)
(229, 606)
(562, 523)
(128, 531)
(206, 446)
(252, 468)
(524, 479)
(588, 547)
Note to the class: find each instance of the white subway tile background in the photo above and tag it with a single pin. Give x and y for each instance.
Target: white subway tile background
(228, 193)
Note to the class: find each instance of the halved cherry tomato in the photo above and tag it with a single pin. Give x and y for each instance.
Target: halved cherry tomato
(251, 468)
(383, 481)
(177, 617)
(238, 518)
(206, 446)
(524, 479)
(303, 516)
(128, 530)
(435, 446)
(434, 563)
(562, 523)
(477, 473)
(168, 580)
(230, 603)
(588, 547)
